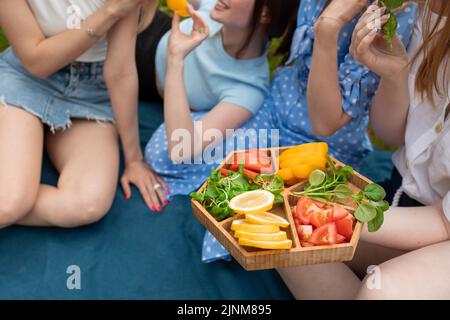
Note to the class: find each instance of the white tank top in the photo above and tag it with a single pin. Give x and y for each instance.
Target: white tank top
(56, 16)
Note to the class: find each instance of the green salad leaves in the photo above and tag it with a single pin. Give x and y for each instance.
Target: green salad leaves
(220, 190)
(334, 186)
(390, 28)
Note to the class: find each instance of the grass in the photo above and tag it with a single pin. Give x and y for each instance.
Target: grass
(3, 41)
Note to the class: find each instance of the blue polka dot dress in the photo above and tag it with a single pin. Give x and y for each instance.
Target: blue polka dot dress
(285, 113)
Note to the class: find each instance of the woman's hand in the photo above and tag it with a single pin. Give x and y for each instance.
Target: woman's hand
(152, 188)
(122, 8)
(371, 49)
(180, 44)
(339, 13)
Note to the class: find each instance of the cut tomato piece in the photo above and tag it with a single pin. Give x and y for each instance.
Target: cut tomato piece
(254, 160)
(325, 235)
(225, 172)
(340, 239)
(320, 217)
(252, 175)
(306, 244)
(345, 227)
(301, 210)
(304, 232)
(339, 212)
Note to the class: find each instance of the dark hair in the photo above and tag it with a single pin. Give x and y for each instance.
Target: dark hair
(283, 22)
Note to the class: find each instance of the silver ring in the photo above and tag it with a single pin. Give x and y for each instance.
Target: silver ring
(157, 186)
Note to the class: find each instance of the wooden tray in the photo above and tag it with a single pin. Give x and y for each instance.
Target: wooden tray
(257, 259)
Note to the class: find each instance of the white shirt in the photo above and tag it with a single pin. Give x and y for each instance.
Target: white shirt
(424, 161)
(56, 16)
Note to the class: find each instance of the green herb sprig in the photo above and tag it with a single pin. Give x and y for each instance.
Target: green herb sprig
(371, 201)
(219, 191)
(390, 28)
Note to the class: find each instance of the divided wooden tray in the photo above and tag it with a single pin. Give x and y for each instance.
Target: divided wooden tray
(257, 259)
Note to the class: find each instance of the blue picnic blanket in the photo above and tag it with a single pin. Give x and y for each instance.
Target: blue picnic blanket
(132, 253)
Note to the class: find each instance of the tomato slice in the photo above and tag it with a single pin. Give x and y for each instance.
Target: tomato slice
(254, 160)
(252, 175)
(320, 217)
(345, 227)
(225, 172)
(304, 232)
(339, 212)
(301, 210)
(325, 235)
(340, 239)
(306, 244)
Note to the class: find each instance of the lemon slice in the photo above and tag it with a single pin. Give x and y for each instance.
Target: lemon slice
(285, 244)
(279, 236)
(267, 218)
(252, 202)
(242, 225)
(317, 177)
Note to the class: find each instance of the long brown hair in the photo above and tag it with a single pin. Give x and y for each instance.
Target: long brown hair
(283, 21)
(435, 51)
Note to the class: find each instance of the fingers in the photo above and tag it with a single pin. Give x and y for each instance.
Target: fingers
(365, 43)
(149, 198)
(374, 22)
(200, 25)
(162, 191)
(164, 185)
(369, 20)
(176, 22)
(153, 196)
(366, 31)
(156, 193)
(126, 187)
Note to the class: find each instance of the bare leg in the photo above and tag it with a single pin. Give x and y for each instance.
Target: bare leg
(420, 274)
(21, 144)
(87, 158)
(368, 254)
(325, 281)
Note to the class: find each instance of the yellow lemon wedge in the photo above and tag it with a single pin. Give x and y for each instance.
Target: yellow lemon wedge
(285, 244)
(267, 218)
(243, 225)
(252, 202)
(279, 236)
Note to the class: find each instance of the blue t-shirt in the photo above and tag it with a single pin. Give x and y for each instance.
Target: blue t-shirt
(212, 76)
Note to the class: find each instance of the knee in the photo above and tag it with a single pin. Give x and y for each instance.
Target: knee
(88, 209)
(378, 285)
(13, 207)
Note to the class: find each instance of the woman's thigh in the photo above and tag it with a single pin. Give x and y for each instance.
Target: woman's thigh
(420, 274)
(368, 254)
(87, 158)
(21, 144)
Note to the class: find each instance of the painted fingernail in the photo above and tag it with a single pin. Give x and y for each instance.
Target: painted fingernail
(158, 208)
(168, 192)
(152, 208)
(165, 202)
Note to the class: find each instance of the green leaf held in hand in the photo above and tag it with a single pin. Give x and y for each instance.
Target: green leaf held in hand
(390, 28)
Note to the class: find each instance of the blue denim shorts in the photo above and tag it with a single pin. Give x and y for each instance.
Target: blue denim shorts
(77, 91)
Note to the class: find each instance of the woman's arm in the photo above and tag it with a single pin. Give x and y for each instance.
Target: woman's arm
(411, 228)
(391, 104)
(178, 120)
(390, 108)
(177, 112)
(122, 81)
(324, 93)
(43, 56)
